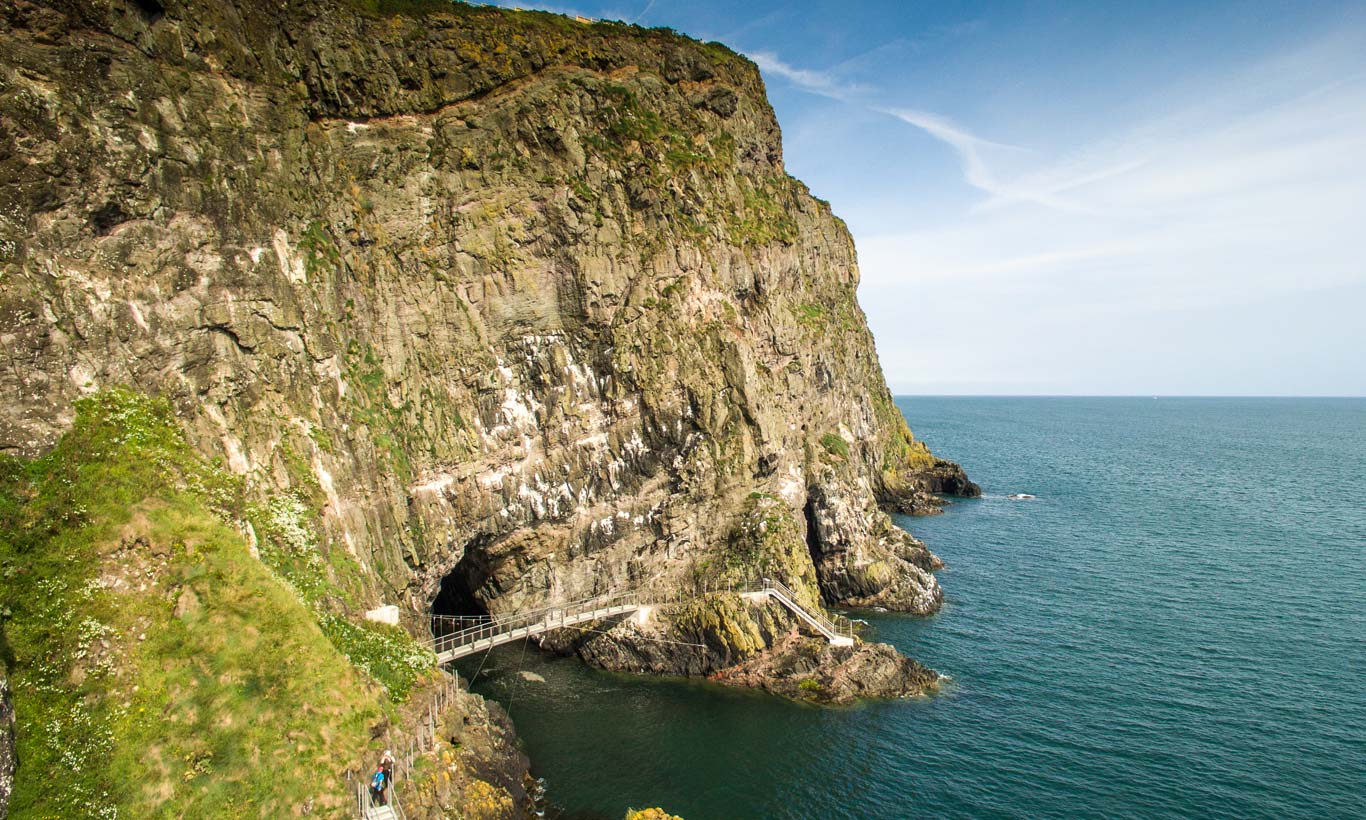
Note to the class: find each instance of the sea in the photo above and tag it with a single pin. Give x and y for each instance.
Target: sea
(1173, 627)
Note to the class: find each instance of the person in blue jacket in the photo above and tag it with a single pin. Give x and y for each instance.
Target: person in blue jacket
(378, 783)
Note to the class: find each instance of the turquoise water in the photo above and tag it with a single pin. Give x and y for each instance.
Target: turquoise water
(1176, 627)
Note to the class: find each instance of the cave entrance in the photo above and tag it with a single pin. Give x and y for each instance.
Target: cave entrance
(813, 546)
(151, 10)
(813, 538)
(457, 602)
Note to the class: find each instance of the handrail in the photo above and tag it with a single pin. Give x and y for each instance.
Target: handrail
(492, 627)
(498, 625)
(844, 628)
(368, 808)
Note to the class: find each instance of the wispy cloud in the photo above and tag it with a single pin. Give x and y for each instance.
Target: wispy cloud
(641, 15)
(969, 147)
(823, 83)
(976, 171)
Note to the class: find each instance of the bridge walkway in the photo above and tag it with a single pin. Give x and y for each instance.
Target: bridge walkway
(474, 635)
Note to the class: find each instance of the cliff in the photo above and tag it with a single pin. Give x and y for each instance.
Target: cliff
(481, 310)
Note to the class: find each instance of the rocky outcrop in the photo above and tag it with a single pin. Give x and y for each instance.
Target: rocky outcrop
(701, 637)
(8, 761)
(745, 641)
(651, 814)
(862, 559)
(922, 494)
(806, 668)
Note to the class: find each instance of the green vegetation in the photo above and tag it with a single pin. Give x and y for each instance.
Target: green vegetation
(159, 670)
(719, 619)
(902, 451)
(666, 150)
(288, 545)
(410, 7)
(811, 686)
(810, 316)
(765, 214)
(300, 472)
(835, 445)
(322, 438)
(767, 540)
(321, 254)
(839, 315)
(368, 403)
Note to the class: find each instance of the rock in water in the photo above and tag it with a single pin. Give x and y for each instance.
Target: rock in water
(530, 677)
(805, 668)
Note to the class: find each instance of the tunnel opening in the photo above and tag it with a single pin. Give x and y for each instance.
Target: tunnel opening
(457, 604)
(459, 592)
(151, 10)
(813, 546)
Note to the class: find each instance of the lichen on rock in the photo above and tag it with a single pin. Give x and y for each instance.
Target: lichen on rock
(650, 814)
(540, 291)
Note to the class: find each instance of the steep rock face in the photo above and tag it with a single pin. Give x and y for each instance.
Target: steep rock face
(494, 292)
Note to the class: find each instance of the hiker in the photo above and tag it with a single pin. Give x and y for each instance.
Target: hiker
(387, 764)
(378, 783)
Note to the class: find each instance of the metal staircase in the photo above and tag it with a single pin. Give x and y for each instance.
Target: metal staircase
(839, 632)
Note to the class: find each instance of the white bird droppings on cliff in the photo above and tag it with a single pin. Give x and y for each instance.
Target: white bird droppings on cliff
(137, 315)
(291, 267)
(793, 486)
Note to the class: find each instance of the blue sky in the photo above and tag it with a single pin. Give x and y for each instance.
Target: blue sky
(1079, 198)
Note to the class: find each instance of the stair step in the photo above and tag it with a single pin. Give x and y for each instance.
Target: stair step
(381, 813)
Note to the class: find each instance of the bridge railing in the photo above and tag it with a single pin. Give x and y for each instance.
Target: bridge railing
(485, 627)
(454, 631)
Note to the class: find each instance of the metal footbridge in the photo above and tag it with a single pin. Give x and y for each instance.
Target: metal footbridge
(462, 636)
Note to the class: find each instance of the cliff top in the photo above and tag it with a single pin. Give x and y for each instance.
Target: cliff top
(368, 58)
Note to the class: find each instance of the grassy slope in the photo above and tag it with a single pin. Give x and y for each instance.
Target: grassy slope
(159, 669)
